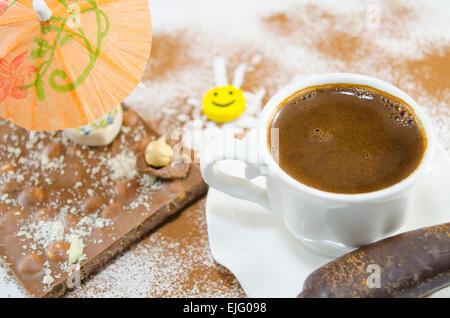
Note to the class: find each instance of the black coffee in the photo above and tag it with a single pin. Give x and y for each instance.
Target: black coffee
(344, 138)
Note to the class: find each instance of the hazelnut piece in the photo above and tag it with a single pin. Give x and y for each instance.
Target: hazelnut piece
(158, 153)
(31, 264)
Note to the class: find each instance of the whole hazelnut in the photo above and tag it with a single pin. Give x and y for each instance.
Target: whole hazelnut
(44, 214)
(6, 167)
(31, 196)
(126, 190)
(10, 187)
(92, 204)
(112, 210)
(158, 153)
(53, 150)
(31, 264)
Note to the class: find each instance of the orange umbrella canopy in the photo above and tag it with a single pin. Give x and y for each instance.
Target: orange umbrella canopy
(74, 68)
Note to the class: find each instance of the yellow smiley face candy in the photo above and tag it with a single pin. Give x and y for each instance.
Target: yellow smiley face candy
(222, 104)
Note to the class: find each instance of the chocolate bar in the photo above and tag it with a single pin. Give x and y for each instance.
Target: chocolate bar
(66, 209)
(411, 264)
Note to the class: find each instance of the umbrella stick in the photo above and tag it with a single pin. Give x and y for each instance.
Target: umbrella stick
(42, 10)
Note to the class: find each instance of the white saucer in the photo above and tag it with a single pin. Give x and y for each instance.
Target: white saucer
(268, 261)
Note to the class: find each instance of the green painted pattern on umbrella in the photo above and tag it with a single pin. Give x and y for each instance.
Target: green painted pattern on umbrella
(47, 50)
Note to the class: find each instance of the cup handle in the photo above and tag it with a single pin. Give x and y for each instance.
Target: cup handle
(233, 149)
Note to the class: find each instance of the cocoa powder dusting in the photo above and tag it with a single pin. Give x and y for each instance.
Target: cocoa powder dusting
(431, 72)
(169, 53)
(281, 24)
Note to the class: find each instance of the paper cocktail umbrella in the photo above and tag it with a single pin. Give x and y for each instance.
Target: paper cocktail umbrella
(66, 63)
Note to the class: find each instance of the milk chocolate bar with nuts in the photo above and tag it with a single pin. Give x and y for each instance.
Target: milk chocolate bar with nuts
(66, 209)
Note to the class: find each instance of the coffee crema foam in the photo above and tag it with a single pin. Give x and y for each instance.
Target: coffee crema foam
(346, 138)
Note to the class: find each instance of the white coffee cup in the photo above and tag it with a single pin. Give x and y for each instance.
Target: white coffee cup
(328, 223)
